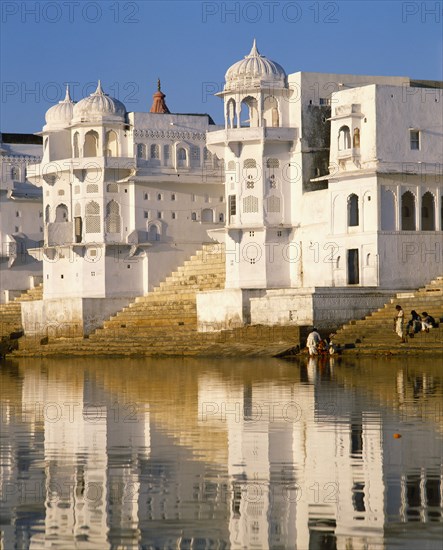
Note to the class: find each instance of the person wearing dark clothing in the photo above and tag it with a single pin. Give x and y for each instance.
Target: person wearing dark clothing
(414, 324)
(427, 321)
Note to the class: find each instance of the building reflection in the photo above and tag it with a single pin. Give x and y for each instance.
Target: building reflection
(96, 459)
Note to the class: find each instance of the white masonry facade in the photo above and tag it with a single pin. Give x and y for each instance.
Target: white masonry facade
(324, 190)
(127, 198)
(21, 215)
(334, 193)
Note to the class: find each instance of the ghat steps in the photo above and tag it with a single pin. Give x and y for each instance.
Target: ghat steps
(164, 322)
(10, 313)
(375, 334)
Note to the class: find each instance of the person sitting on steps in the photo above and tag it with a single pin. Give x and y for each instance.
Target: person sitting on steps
(427, 321)
(414, 324)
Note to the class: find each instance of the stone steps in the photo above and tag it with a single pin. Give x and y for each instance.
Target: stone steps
(251, 340)
(11, 313)
(375, 332)
(162, 322)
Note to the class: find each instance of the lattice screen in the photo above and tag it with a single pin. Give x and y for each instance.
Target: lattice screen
(250, 204)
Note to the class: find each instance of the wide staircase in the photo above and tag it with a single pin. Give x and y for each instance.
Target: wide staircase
(164, 322)
(375, 334)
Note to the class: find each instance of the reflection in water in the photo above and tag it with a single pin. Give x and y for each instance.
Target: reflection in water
(312, 454)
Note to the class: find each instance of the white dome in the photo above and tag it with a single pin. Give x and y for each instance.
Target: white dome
(98, 106)
(254, 70)
(59, 116)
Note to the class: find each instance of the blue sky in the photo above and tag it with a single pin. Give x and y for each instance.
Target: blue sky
(190, 45)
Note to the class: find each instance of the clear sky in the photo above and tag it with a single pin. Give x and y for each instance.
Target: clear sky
(190, 45)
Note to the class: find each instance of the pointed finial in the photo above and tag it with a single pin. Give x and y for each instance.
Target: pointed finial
(254, 51)
(159, 85)
(99, 88)
(68, 95)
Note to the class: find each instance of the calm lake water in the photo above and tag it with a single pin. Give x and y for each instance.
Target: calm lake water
(206, 454)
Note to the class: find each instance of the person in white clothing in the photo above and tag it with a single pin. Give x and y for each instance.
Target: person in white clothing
(313, 341)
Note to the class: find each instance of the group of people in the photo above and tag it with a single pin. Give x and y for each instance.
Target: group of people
(416, 323)
(318, 346)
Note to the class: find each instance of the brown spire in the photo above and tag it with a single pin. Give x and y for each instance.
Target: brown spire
(158, 104)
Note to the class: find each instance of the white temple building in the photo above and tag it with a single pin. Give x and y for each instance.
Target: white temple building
(21, 219)
(327, 201)
(127, 198)
(334, 193)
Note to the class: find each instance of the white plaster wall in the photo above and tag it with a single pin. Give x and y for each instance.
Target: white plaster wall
(401, 108)
(28, 221)
(124, 275)
(223, 309)
(327, 308)
(68, 317)
(410, 259)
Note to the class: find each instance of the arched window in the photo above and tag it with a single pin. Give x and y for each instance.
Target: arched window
(155, 151)
(208, 215)
(61, 213)
(112, 222)
(194, 216)
(141, 151)
(356, 139)
(252, 120)
(221, 217)
(230, 113)
(111, 144)
(408, 211)
(270, 112)
(90, 148)
(388, 217)
(353, 214)
(344, 138)
(92, 220)
(153, 233)
(47, 214)
(181, 156)
(428, 212)
(15, 173)
(231, 166)
(76, 145)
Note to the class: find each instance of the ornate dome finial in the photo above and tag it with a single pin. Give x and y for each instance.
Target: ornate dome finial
(254, 51)
(99, 89)
(159, 104)
(68, 95)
